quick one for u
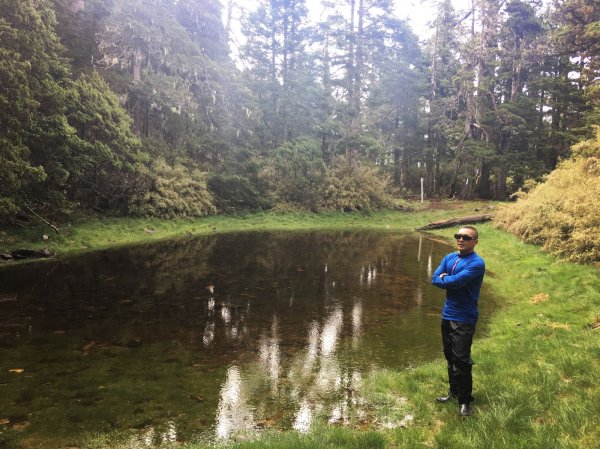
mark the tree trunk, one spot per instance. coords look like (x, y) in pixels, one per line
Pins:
(484, 190)
(429, 173)
(284, 104)
(453, 187)
(325, 149)
(136, 63)
(399, 167)
(351, 63)
(467, 188)
(359, 57)
(501, 185)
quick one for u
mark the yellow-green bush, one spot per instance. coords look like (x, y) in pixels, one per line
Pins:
(350, 188)
(175, 192)
(563, 213)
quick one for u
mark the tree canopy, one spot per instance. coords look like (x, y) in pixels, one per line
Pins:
(142, 108)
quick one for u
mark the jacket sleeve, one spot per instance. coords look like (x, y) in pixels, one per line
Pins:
(435, 279)
(462, 278)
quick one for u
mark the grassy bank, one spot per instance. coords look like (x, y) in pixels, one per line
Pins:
(96, 233)
(536, 374)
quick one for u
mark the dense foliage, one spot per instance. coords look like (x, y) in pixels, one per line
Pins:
(66, 142)
(562, 214)
(152, 108)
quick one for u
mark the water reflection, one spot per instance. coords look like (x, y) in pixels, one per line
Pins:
(429, 266)
(269, 355)
(209, 333)
(357, 312)
(304, 417)
(233, 414)
(217, 336)
(321, 375)
(331, 332)
(313, 347)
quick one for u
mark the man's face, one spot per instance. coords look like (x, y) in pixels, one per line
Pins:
(463, 244)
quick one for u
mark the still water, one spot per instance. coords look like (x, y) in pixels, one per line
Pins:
(211, 337)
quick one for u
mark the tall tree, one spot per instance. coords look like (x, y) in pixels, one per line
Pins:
(521, 56)
(444, 103)
(280, 69)
(17, 116)
(170, 61)
(578, 37)
(78, 23)
(70, 142)
(37, 139)
(393, 110)
(501, 58)
(364, 47)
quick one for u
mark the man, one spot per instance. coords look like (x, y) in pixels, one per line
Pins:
(461, 275)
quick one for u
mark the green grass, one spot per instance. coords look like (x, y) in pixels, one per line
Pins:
(321, 437)
(536, 373)
(536, 378)
(98, 233)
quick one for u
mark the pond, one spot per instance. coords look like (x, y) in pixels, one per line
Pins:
(209, 337)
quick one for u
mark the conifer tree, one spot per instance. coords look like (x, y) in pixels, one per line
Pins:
(35, 94)
(578, 37)
(279, 70)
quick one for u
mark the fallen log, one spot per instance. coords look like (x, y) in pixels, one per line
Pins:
(456, 221)
(20, 254)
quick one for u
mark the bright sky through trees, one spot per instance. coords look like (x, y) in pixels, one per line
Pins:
(419, 14)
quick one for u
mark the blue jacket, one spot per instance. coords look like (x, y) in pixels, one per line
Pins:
(464, 276)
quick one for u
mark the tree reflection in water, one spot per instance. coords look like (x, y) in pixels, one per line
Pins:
(234, 415)
(320, 375)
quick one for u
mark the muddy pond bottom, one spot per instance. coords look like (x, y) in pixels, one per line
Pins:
(213, 337)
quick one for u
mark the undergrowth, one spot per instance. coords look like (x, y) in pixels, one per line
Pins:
(562, 214)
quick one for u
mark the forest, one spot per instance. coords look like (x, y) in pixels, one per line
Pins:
(141, 108)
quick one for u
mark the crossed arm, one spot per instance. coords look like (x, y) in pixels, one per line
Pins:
(444, 280)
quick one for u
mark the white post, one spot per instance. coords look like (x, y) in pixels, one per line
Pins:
(422, 189)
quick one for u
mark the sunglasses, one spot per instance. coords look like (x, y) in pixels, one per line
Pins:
(466, 238)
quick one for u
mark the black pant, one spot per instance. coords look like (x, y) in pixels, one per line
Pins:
(457, 338)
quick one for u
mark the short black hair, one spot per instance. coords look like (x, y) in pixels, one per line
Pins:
(472, 228)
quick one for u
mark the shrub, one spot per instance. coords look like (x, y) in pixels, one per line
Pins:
(359, 187)
(234, 192)
(562, 214)
(295, 175)
(175, 192)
